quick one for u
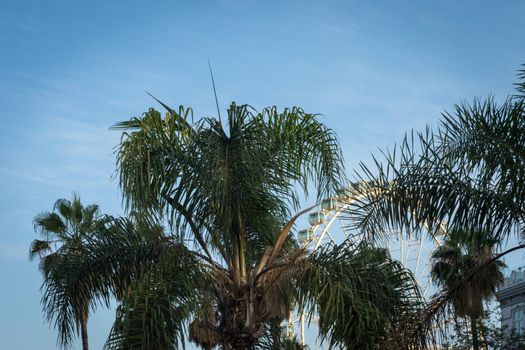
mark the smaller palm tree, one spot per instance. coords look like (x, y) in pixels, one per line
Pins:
(462, 252)
(66, 297)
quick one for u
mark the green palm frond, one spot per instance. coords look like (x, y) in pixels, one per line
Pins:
(468, 173)
(157, 281)
(59, 309)
(39, 248)
(124, 250)
(307, 149)
(47, 263)
(358, 293)
(90, 215)
(63, 206)
(520, 85)
(49, 223)
(69, 294)
(155, 312)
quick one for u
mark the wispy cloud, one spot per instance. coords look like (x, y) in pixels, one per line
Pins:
(78, 138)
(27, 24)
(13, 252)
(61, 153)
(23, 22)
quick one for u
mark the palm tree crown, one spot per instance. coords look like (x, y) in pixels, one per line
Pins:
(65, 232)
(461, 252)
(460, 255)
(227, 190)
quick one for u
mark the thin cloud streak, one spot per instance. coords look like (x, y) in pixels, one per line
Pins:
(13, 252)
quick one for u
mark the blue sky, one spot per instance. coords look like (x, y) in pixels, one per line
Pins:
(69, 70)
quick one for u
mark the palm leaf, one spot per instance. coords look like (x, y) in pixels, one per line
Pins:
(358, 293)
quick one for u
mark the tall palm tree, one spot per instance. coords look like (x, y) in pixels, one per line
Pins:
(66, 299)
(470, 172)
(461, 252)
(227, 263)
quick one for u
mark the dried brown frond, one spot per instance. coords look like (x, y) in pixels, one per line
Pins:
(202, 331)
(276, 285)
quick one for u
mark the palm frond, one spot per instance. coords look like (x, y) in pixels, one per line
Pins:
(469, 173)
(306, 149)
(154, 314)
(358, 293)
(49, 223)
(156, 280)
(90, 214)
(520, 85)
(39, 248)
(63, 206)
(60, 310)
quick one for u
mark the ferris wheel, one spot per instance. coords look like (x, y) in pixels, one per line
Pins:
(331, 222)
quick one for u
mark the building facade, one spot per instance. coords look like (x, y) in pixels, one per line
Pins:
(511, 296)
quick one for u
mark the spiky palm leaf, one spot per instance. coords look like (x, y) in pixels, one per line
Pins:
(358, 292)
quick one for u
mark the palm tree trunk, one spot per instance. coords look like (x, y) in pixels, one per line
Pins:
(474, 330)
(83, 331)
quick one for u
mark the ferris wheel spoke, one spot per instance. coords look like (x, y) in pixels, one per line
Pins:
(418, 255)
(400, 237)
(331, 238)
(342, 228)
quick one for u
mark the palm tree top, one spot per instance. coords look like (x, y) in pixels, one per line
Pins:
(66, 299)
(235, 179)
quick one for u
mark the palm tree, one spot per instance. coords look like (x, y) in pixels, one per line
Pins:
(461, 252)
(66, 299)
(226, 263)
(470, 172)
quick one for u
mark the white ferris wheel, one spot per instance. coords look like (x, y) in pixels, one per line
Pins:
(331, 222)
